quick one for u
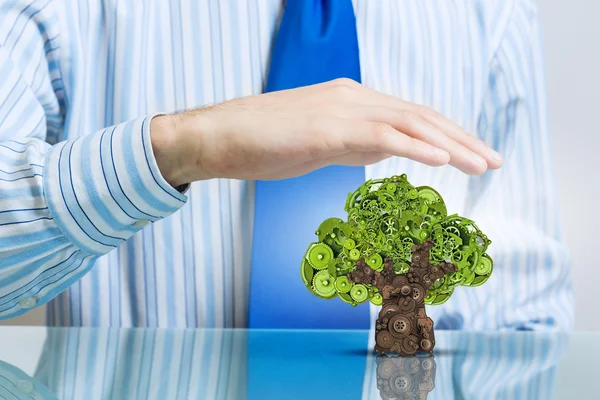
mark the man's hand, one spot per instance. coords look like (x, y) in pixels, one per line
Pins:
(289, 133)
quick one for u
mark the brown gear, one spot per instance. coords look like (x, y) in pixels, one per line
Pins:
(407, 305)
(384, 340)
(410, 344)
(399, 281)
(418, 293)
(426, 344)
(389, 309)
(405, 290)
(387, 291)
(400, 326)
(396, 348)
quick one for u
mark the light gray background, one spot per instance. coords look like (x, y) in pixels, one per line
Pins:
(572, 47)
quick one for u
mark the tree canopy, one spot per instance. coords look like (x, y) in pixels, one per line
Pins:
(386, 217)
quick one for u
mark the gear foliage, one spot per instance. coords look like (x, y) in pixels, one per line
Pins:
(386, 217)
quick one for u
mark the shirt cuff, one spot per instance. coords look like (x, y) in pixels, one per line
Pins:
(102, 188)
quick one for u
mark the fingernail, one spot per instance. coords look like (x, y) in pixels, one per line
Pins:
(497, 156)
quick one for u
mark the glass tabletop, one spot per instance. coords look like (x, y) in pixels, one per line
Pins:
(95, 363)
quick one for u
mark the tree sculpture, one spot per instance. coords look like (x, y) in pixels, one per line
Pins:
(401, 250)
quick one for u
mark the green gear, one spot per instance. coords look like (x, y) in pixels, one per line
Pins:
(342, 284)
(375, 261)
(319, 255)
(349, 244)
(354, 254)
(401, 268)
(347, 299)
(433, 199)
(307, 272)
(367, 252)
(485, 265)
(327, 226)
(441, 298)
(323, 284)
(469, 276)
(377, 299)
(430, 297)
(359, 293)
(479, 280)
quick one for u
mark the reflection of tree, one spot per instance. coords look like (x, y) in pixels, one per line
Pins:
(478, 365)
(405, 378)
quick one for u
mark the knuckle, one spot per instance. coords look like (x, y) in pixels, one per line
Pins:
(425, 111)
(415, 143)
(343, 86)
(346, 82)
(379, 130)
(409, 117)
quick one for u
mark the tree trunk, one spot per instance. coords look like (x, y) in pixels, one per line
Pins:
(403, 326)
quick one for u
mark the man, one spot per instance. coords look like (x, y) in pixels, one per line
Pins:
(86, 163)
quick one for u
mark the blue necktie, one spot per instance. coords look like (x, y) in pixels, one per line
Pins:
(316, 42)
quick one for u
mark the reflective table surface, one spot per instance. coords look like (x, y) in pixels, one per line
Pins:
(93, 363)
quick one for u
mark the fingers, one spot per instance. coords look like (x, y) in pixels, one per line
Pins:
(368, 97)
(361, 136)
(493, 159)
(417, 127)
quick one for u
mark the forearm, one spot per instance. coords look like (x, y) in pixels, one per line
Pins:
(87, 197)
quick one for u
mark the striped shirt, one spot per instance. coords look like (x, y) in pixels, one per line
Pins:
(87, 221)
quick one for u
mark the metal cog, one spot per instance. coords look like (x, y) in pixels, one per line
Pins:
(342, 284)
(323, 284)
(359, 293)
(485, 265)
(375, 261)
(319, 255)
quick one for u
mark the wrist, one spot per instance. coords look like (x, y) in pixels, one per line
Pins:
(178, 145)
(167, 150)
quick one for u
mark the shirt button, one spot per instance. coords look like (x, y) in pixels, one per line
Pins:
(28, 302)
(140, 224)
(25, 386)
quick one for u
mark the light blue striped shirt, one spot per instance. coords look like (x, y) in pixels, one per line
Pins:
(87, 220)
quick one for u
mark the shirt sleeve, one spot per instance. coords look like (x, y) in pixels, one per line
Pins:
(517, 204)
(61, 205)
